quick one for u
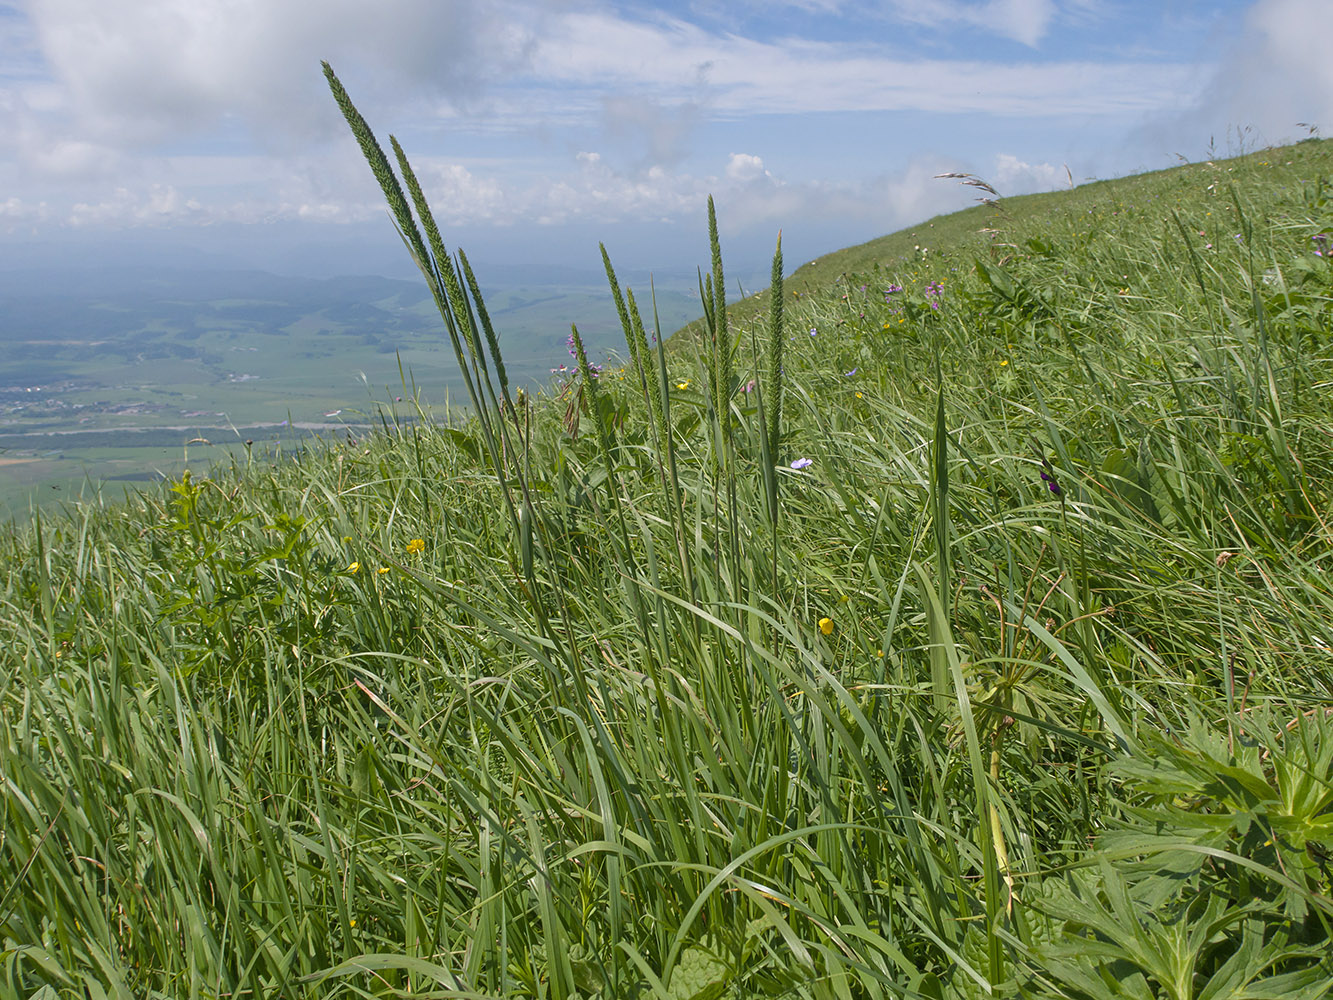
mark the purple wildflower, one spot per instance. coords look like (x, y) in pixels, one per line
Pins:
(850, 373)
(1048, 472)
(802, 463)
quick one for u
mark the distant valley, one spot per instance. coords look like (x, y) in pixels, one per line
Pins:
(119, 375)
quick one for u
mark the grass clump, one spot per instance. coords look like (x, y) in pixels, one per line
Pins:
(1027, 690)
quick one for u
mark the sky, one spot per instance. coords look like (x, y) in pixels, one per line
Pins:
(202, 130)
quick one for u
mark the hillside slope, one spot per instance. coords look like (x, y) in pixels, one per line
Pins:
(998, 232)
(970, 638)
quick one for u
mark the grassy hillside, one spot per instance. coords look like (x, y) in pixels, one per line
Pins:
(965, 633)
(1097, 210)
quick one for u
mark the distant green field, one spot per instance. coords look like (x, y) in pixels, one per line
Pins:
(272, 354)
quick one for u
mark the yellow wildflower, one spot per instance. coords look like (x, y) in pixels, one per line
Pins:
(416, 546)
(826, 626)
(354, 567)
(683, 385)
(382, 570)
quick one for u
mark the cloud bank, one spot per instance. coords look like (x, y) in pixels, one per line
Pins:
(549, 112)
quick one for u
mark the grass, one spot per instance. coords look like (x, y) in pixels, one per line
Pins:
(539, 704)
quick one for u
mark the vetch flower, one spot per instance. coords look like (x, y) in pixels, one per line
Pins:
(814, 330)
(803, 463)
(826, 626)
(1048, 472)
(416, 546)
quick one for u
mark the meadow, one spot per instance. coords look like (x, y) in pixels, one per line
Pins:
(956, 623)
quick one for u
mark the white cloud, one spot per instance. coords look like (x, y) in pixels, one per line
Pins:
(1276, 73)
(75, 159)
(98, 99)
(157, 205)
(1014, 176)
(16, 213)
(145, 70)
(742, 76)
(134, 74)
(1025, 21)
(1280, 72)
(744, 167)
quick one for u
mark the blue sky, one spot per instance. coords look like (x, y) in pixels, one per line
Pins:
(538, 125)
